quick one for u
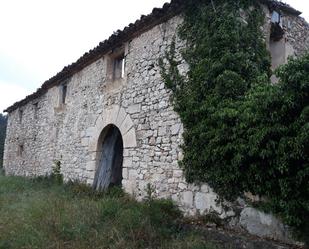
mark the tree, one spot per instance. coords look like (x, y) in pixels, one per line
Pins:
(3, 123)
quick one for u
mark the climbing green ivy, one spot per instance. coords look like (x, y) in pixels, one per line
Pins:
(239, 129)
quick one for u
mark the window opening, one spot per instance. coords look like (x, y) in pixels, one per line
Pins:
(20, 115)
(64, 89)
(20, 150)
(119, 67)
(275, 17)
(36, 108)
(123, 67)
(276, 32)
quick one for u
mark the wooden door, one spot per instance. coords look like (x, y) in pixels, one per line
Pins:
(109, 170)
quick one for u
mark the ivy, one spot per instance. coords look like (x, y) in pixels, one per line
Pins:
(242, 134)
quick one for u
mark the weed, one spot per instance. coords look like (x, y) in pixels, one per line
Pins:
(56, 172)
(150, 191)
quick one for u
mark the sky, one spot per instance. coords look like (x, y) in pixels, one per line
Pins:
(39, 37)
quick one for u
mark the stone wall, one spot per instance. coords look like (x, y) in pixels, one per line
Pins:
(295, 41)
(296, 33)
(139, 105)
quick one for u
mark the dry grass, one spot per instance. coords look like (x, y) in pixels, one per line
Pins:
(41, 214)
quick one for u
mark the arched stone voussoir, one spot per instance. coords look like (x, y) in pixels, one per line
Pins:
(117, 116)
(110, 114)
(129, 139)
(121, 117)
(126, 125)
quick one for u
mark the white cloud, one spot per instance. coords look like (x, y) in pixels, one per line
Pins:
(10, 93)
(301, 5)
(44, 36)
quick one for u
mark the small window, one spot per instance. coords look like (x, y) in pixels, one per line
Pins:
(20, 151)
(20, 115)
(276, 30)
(63, 93)
(35, 109)
(115, 64)
(118, 67)
(275, 17)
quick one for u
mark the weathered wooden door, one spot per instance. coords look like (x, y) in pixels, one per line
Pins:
(109, 170)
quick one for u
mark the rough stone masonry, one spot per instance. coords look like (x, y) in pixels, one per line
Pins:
(118, 86)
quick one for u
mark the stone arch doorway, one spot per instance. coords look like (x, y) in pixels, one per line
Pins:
(109, 158)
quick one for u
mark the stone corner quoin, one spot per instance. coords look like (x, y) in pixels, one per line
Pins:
(65, 123)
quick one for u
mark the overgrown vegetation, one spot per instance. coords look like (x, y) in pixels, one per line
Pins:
(41, 213)
(3, 121)
(56, 172)
(242, 134)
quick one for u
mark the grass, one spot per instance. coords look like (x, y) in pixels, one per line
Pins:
(38, 213)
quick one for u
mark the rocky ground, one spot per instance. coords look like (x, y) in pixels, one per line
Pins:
(231, 239)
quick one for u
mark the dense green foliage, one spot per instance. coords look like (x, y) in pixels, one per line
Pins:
(242, 134)
(275, 119)
(226, 55)
(40, 213)
(3, 121)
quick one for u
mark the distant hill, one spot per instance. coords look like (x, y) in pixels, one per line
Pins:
(3, 122)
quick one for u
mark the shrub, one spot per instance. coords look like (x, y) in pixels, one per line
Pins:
(56, 174)
(80, 189)
(275, 121)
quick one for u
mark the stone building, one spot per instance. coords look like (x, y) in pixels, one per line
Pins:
(108, 119)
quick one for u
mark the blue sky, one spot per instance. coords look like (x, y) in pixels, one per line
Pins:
(39, 37)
